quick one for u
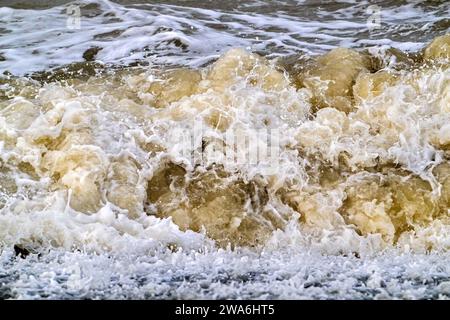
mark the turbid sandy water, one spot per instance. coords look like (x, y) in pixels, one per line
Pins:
(224, 149)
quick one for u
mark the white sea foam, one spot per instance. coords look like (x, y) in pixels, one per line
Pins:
(109, 189)
(225, 275)
(34, 40)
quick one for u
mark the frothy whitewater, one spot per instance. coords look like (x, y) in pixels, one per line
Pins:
(261, 149)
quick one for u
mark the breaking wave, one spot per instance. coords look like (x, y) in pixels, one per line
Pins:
(112, 159)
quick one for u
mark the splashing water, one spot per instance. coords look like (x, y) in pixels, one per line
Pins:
(227, 147)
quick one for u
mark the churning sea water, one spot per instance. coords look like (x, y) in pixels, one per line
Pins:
(224, 149)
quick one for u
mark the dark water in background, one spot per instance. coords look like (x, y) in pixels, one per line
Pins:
(194, 33)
